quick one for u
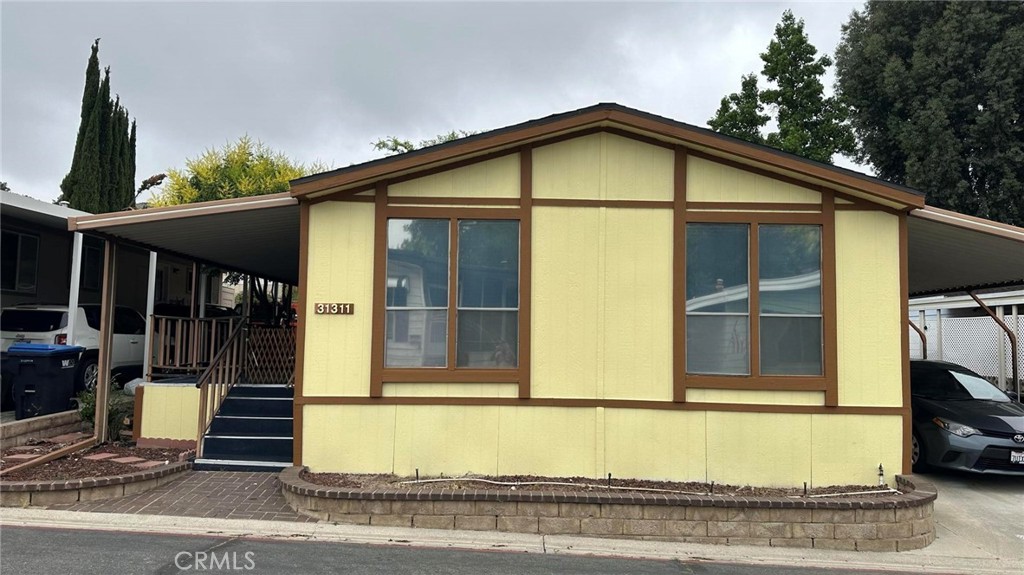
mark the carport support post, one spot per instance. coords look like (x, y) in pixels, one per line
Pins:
(76, 278)
(147, 359)
(1009, 333)
(106, 340)
(938, 334)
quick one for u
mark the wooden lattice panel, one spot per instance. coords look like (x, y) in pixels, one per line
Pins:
(271, 356)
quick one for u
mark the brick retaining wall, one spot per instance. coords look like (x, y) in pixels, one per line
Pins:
(17, 433)
(41, 493)
(888, 523)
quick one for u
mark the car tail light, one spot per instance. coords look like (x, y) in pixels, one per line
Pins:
(61, 339)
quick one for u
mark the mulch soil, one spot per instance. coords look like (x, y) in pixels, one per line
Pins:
(75, 466)
(570, 484)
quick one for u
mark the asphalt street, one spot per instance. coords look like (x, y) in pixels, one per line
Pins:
(41, 551)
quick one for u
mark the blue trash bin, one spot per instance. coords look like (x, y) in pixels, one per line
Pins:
(44, 377)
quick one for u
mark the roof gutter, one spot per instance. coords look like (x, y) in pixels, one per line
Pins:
(108, 220)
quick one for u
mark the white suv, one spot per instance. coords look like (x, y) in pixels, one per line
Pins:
(31, 323)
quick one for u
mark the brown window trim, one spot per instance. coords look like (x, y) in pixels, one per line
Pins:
(828, 381)
(387, 208)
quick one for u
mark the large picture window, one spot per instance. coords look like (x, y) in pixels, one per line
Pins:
(445, 273)
(20, 262)
(753, 322)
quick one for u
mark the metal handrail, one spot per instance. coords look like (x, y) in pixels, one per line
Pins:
(217, 380)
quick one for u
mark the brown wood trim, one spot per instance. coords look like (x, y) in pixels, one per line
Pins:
(106, 340)
(359, 199)
(559, 138)
(754, 217)
(449, 375)
(905, 340)
(758, 383)
(754, 206)
(679, 276)
(137, 413)
(439, 201)
(605, 403)
(765, 156)
(443, 213)
(452, 166)
(380, 272)
(974, 224)
(575, 203)
(753, 304)
(640, 138)
(830, 336)
(453, 271)
(300, 334)
(525, 269)
(602, 117)
(343, 195)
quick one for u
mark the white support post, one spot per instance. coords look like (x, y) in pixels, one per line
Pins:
(76, 278)
(938, 334)
(147, 360)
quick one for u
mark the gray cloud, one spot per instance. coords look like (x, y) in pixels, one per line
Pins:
(322, 80)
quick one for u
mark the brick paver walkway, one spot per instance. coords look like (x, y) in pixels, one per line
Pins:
(220, 494)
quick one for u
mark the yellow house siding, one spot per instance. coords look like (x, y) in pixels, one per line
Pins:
(497, 178)
(708, 181)
(755, 396)
(170, 411)
(758, 448)
(655, 444)
(554, 441)
(451, 390)
(602, 303)
(446, 439)
(602, 167)
(847, 449)
(337, 353)
(350, 438)
(868, 308)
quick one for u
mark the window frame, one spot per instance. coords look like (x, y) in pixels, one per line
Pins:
(380, 373)
(18, 264)
(824, 216)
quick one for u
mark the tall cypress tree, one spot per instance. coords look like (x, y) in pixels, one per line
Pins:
(70, 184)
(102, 175)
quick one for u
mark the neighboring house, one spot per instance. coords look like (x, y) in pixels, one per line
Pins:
(598, 292)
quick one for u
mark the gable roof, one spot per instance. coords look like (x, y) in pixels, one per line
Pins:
(663, 130)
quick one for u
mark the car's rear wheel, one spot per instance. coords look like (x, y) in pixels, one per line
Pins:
(88, 373)
(917, 454)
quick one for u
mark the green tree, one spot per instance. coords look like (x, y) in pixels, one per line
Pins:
(393, 145)
(808, 123)
(102, 174)
(936, 92)
(246, 167)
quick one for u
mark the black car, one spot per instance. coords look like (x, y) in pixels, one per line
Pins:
(961, 421)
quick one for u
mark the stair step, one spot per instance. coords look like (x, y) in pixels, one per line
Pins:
(256, 406)
(248, 448)
(243, 390)
(260, 426)
(210, 464)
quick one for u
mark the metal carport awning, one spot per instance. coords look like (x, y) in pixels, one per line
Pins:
(951, 252)
(255, 235)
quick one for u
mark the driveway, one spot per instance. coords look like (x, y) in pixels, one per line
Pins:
(979, 515)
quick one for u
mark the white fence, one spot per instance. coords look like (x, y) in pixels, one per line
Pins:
(977, 343)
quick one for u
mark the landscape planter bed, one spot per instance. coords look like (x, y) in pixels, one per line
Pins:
(897, 522)
(42, 493)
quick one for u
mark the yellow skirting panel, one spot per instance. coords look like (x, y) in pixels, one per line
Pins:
(170, 411)
(768, 449)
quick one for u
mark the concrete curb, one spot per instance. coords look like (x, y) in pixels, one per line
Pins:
(932, 560)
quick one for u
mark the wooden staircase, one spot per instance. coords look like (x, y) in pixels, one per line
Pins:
(251, 431)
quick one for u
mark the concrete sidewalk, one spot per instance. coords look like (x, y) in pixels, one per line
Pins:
(940, 557)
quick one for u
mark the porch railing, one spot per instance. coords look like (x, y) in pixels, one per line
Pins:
(183, 345)
(220, 376)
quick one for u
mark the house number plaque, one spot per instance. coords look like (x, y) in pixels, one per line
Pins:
(336, 308)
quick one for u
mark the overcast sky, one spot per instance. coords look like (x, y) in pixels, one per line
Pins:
(320, 81)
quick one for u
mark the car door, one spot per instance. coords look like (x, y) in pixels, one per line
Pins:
(129, 337)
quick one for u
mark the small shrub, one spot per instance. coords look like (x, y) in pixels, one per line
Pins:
(120, 406)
